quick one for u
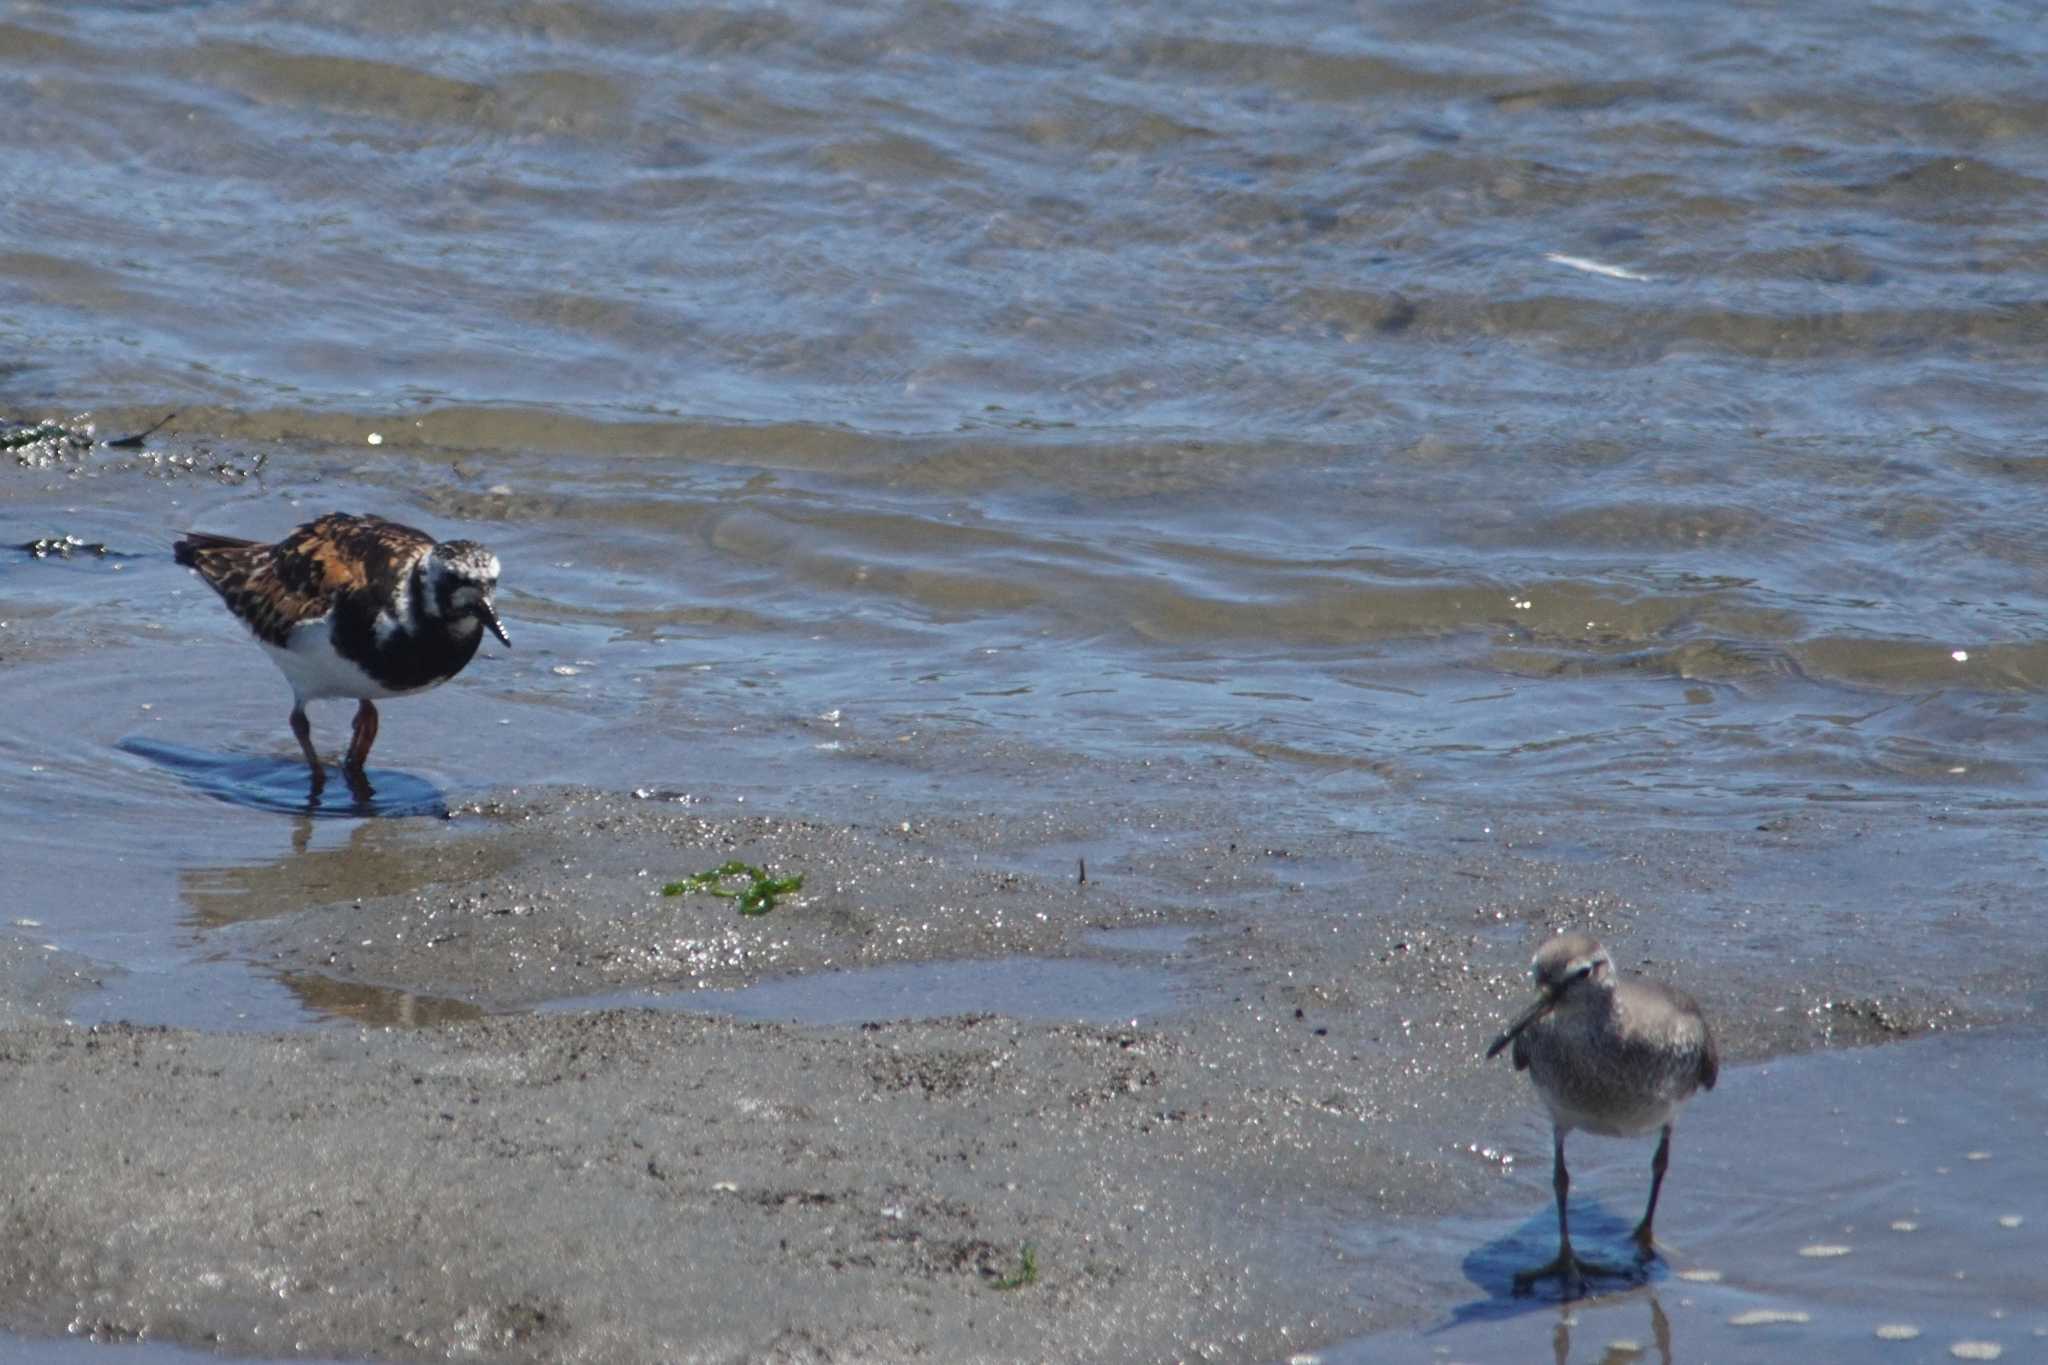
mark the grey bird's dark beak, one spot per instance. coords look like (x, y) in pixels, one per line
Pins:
(490, 615)
(1522, 1021)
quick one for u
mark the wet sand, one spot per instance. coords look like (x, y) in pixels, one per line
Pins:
(1200, 1181)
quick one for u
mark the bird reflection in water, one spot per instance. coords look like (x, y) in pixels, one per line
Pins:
(1616, 1352)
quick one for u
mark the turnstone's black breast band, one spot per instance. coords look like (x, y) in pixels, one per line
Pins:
(401, 662)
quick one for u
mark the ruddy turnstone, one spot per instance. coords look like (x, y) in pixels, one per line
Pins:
(354, 607)
(1610, 1055)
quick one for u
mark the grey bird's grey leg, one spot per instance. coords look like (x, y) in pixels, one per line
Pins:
(1646, 1247)
(1567, 1268)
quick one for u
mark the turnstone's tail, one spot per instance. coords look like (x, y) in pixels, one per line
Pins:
(227, 565)
(196, 544)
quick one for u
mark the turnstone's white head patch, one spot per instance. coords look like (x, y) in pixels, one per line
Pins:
(463, 581)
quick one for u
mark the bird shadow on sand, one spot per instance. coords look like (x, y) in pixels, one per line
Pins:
(1597, 1235)
(286, 785)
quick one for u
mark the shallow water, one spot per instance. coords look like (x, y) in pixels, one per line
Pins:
(286, 787)
(1051, 989)
(1881, 1204)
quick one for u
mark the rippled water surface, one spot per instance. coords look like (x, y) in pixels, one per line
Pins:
(1645, 396)
(1604, 404)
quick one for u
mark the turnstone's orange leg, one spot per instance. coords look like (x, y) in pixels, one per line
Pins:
(364, 736)
(302, 729)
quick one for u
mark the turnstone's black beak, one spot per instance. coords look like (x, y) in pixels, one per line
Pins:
(1527, 1017)
(489, 614)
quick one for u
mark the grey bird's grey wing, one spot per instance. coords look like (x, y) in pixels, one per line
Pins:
(1520, 1054)
(1688, 1026)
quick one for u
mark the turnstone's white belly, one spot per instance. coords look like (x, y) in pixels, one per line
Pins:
(316, 670)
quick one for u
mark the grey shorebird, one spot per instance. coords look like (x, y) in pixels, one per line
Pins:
(1612, 1056)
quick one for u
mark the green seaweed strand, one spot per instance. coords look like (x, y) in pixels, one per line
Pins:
(756, 898)
(1026, 1272)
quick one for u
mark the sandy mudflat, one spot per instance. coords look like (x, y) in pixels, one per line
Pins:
(639, 1184)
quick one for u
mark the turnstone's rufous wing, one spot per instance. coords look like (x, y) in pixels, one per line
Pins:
(304, 576)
